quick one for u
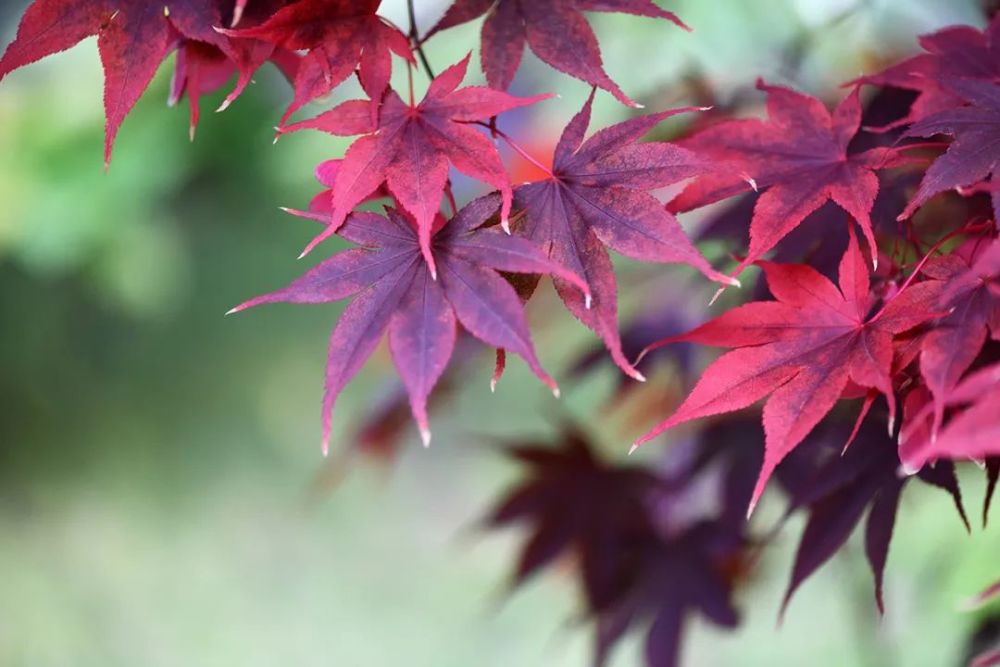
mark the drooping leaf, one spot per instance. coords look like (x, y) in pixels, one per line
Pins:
(973, 156)
(133, 37)
(973, 430)
(971, 297)
(339, 37)
(801, 350)
(799, 160)
(410, 147)
(597, 196)
(838, 491)
(393, 289)
(555, 30)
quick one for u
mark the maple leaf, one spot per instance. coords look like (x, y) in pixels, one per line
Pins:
(574, 502)
(837, 488)
(203, 68)
(971, 297)
(133, 37)
(394, 290)
(596, 196)
(686, 573)
(974, 154)
(973, 432)
(798, 157)
(340, 36)
(410, 147)
(633, 566)
(555, 30)
(952, 52)
(801, 350)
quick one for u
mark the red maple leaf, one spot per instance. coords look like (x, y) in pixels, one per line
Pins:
(971, 297)
(411, 145)
(974, 155)
(340, 36)
(394, 290)
(798, 157)
(972, 432)
(597, 196)
(133, 37)
(556, 31)
(803, 350)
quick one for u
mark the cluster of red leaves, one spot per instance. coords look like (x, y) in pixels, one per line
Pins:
(911, 331)
(906, 322)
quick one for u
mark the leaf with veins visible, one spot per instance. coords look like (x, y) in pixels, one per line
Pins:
(597, 197)
(409, 149)
(974, 155)
(801, 350)
(393, 289)
(798, 158)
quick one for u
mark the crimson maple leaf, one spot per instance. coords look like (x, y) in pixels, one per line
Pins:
(597, 195)
(133, 37)
(974, 155)
(339, 35)
(973, 431)
(556, 31)
(394, 290)
(410, 146)
(971, 297)
(798, 157)
(802, 350)
(202, 68)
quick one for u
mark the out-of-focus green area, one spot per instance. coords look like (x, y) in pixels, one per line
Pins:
(156, 458)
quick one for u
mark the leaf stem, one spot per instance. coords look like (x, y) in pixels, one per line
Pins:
(414, 36)
(965, 229)
(497, 132)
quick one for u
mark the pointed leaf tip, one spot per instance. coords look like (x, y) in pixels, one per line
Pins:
(631, 450)
(425, 436)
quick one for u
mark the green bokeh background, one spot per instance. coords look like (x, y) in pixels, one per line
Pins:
(156, 458)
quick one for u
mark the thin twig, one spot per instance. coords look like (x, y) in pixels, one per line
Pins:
(418, 46)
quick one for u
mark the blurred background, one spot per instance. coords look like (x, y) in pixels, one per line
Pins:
(163, 500)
